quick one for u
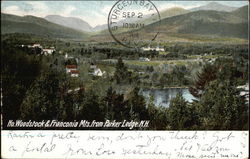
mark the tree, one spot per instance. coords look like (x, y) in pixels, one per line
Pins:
(121, 72)
(91, 108)
(208, 74)
(228, 70)
(18, 71)
(157, 116)
(42, 100)
(137, 105)
(150, 69)
(181, 115)
(115, 106)
(222, 107)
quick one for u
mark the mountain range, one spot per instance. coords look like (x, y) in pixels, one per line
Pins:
(39, 26)
(205, 22)
(79, 24)
(210, 21)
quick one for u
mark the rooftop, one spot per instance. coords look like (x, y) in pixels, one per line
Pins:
(74, 71)
(71, 66)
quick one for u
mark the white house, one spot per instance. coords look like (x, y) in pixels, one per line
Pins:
(93, 66)
(48, 51)
(144, 59)
(34, 46)
(66, 56)
(98, 72)
(159, 48)
(37, 45)
(146, 48)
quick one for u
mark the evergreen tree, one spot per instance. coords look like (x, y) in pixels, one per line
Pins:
(91, 107)
(115, 106)
(121, 72)
(157, 116)
(223, 108)
(208, 74)
(181, 115)
(137, 105)
(18, 71)
(43, 98)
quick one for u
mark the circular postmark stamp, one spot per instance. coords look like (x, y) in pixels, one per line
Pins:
(130, 22)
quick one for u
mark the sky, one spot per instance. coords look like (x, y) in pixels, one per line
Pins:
(93, 12)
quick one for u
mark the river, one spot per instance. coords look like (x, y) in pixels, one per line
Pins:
(162, 97)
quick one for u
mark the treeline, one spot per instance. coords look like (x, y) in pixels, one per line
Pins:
(174, 51)
(201, 49)
(110, 53)
(28, 39)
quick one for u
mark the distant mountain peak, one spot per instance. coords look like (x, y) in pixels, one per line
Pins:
(215, 6)
(70, 22)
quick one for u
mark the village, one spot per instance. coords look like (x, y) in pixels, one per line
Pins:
(43, 51)
(71, 67)
(71, 63)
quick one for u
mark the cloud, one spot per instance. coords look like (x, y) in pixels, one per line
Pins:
(39, 9)
(67, 10)
(13, 10)
(106, 9)
(38, 6)
(94, 20)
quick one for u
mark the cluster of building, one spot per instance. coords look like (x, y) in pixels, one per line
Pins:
(73, 71)
(72, 68)
(153, 48)
(44, 51)
(94, 70)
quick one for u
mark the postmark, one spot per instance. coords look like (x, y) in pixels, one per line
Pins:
(129, 22)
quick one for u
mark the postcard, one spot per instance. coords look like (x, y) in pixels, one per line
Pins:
(125, 79)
